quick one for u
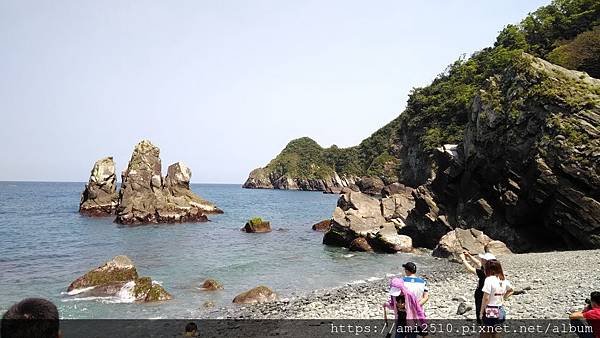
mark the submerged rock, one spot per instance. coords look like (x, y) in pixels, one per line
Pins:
(259, 294)
(99, 198)
(211, 285)
(257, 225)
(145, 197)
(118, 278)
(118, 270)
(360, 244)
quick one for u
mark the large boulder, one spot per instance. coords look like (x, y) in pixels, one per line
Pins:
(99, 198)
(360, 244)
(398, 205)
(370, 185)
(259, 294)
(118, 270)
(118, 278)
(474, 241)
(146, 197)
(257, 225)
(322, 226)
(358, 223)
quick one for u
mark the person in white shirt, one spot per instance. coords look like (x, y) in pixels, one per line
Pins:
(496, 289)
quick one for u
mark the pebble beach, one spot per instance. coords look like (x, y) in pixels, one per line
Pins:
(548, 286)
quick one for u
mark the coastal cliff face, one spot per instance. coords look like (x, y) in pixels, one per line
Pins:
(527, 172)
(304, 165)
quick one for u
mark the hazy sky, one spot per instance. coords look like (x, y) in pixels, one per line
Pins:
(220, 85)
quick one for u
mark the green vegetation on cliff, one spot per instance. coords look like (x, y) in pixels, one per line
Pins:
(566, 32)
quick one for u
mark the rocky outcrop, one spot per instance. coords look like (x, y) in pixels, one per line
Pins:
(528, 171)
(99, 198)
(146, 197)
(257, 225)
(370, 185)
(322, 226)
(474, 241)
(118, 278)
(211, 285)
(259, 294)
(262, 178)
(359, 223)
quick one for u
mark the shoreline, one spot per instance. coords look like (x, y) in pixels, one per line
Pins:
(551, 285)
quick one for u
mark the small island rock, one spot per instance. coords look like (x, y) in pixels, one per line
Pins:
(257, 225)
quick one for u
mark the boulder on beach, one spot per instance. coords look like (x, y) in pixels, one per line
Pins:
(211, 285)
(99, 198)
(146, 197)
(322, 226)
(257, 225)
(358, 215)
(118, 277)
(474, 241)
(259, 294)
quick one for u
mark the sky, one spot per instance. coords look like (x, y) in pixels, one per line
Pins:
(221, 85)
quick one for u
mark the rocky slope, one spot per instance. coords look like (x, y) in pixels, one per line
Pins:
(527, 172)
(145, 195)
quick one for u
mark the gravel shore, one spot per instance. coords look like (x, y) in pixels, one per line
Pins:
(549, 285)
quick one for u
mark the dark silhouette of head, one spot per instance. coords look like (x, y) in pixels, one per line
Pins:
(494, 268)
(595, 299)
(31, 317)
(191, 328)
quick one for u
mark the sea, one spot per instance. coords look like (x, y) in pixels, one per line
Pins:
(45, 244)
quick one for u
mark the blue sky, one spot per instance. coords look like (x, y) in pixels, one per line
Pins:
(220, 85)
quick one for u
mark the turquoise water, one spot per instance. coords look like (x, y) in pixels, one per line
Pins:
(45, 244)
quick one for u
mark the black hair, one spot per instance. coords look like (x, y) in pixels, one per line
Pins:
(400, 298)
(595, 297)
(191, 327)
(31, 317)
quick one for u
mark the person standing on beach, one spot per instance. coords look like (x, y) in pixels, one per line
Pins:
(417, 285)
(410, 317)
(496, 289)
(475, 266)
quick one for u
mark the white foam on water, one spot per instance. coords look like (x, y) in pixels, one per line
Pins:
(372, 279)
(77, 299)
(77, 291)
(125, 295)
(348, 255)
(390, 274)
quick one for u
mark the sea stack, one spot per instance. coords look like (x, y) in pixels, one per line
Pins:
(99, 198)
(146, 197)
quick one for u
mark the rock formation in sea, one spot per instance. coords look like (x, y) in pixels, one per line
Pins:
(211, 285)
(118, 278)
(257, 225)
(146, 197)
(358, 215)
(99, 198)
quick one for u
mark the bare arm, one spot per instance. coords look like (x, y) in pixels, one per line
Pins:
(576, 315)
(508, 293)
(466, 264)
(476, 261)
(425, 298)
(484, 303)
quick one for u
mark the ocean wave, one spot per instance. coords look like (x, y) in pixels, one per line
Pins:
(359, 281)
(348, 255)
(372, 279)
